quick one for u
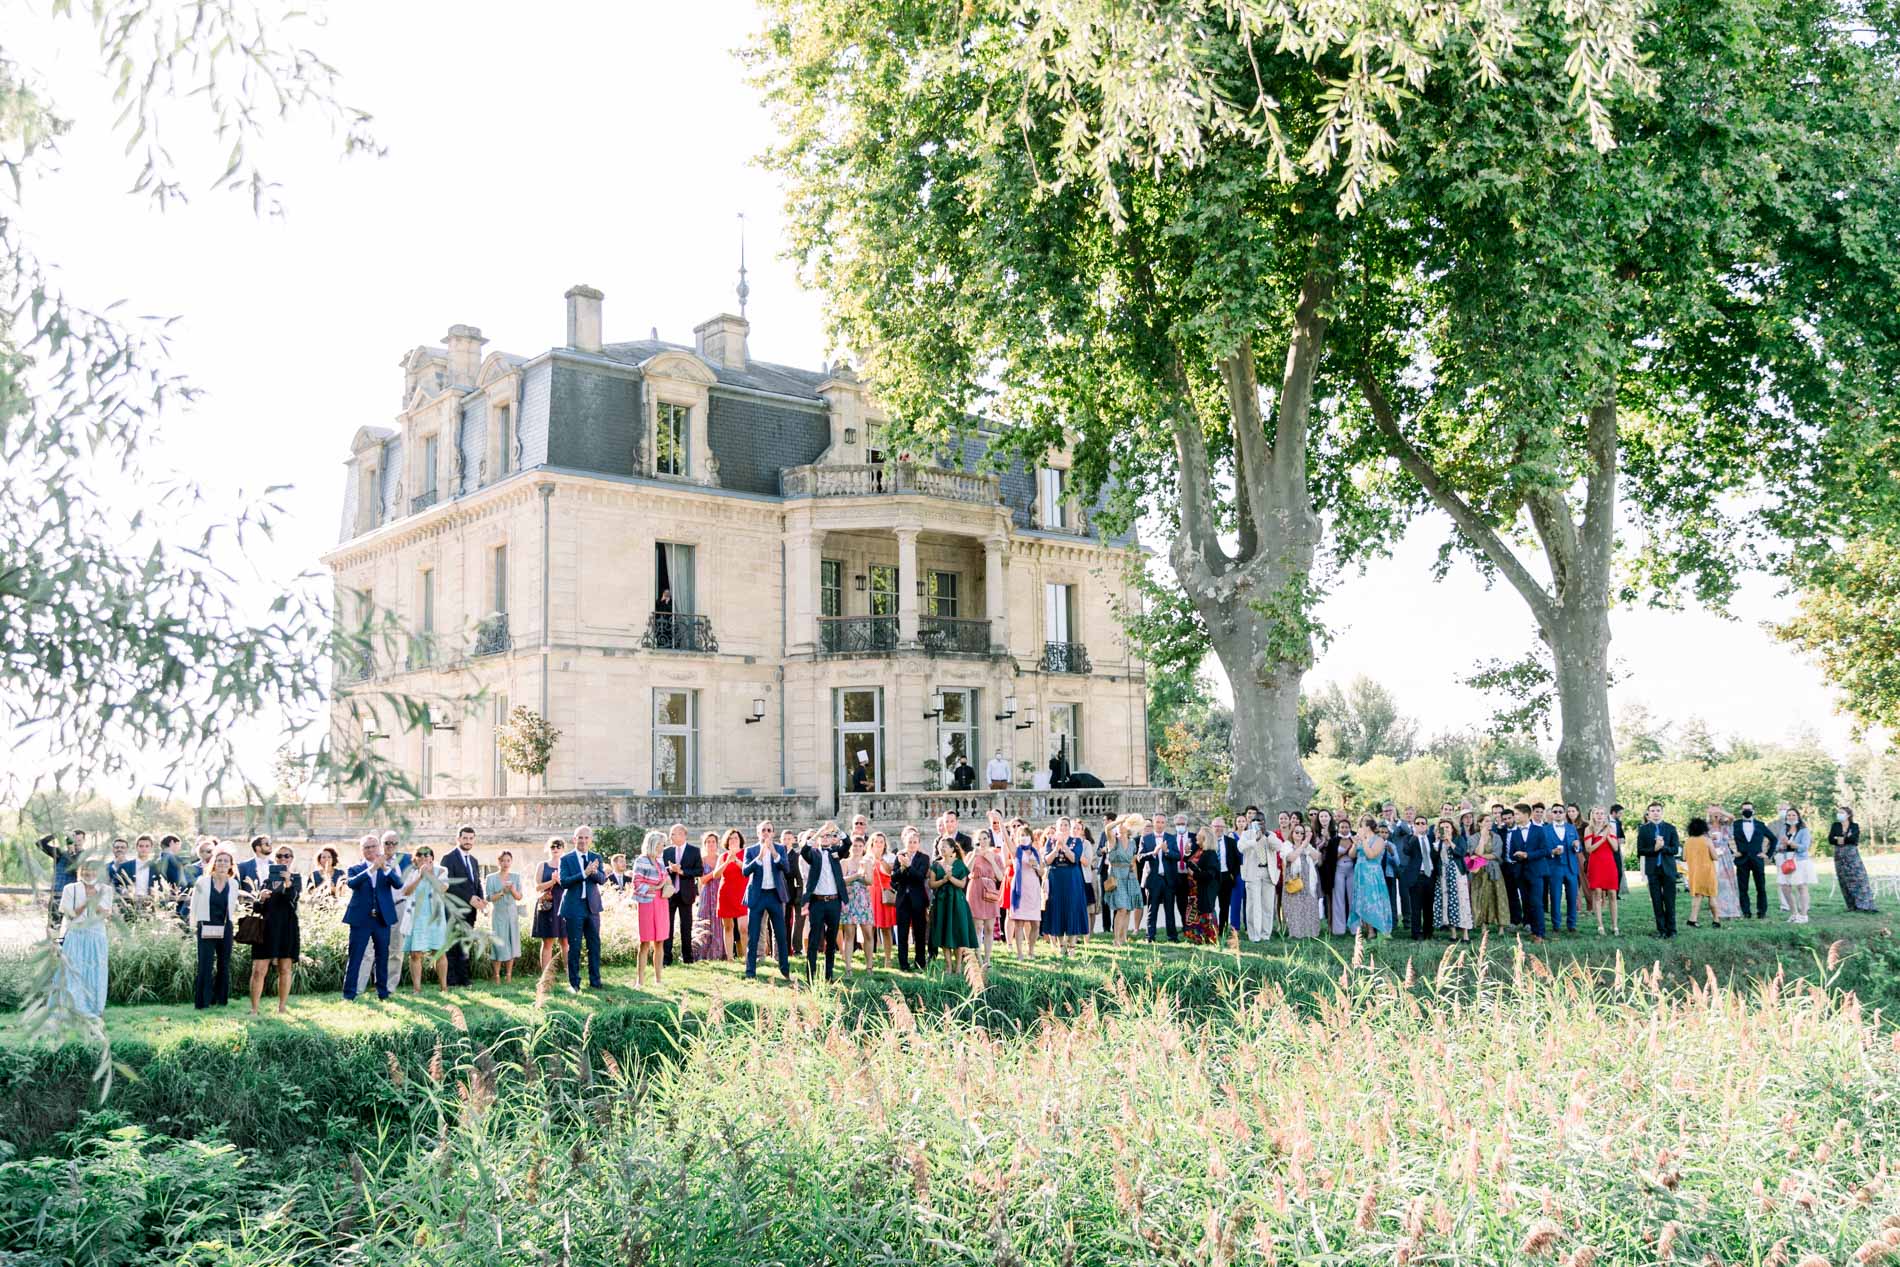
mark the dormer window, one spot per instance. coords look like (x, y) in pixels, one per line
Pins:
(1054, 488)
(672, 425)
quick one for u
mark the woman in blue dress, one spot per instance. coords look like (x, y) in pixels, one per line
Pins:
(1371, 904)
(1066, 917)
(1123, 896)
(428, 918)
(84, 905)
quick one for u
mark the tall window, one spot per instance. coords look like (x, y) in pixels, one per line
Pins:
(505, 429)
(500, 568)
(431, 454)
(1055, 497)
(941, 595)
(674, 579)
(831, 587)
(883, 589)
(1058, 613)
(425, 587)
(1065, 733)
(427, 784)
(500, 766)
(669, 439)
(676, 742)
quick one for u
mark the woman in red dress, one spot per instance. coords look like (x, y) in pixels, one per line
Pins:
(883, 909)
(732, 908)
(1602, 867)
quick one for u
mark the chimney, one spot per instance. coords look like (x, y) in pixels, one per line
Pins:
(722, 340)
(465, 354)
(583, 318)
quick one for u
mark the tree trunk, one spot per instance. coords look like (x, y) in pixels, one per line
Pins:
(1586, 751)
(1266, 742)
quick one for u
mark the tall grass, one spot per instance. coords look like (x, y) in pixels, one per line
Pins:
(1476, 1117)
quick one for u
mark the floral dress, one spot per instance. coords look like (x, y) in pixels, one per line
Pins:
(857, 891)
(1299, 865)
(1451, 888)
(1489, 902)
(1849, 871)
(1728, 894)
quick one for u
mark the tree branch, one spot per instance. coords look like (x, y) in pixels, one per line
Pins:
(1197, 554)
(1296, 385)
(1251, 461)
(1469, 521)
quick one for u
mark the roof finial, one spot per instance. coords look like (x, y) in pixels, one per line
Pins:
(744, 290)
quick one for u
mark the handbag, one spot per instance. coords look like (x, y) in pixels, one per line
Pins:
(889, 895)
(1787, 865)
(1294, 884)
(211, 932)
(250, 930)
(1110, 884)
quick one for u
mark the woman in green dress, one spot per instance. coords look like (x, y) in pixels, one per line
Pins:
(952, 930)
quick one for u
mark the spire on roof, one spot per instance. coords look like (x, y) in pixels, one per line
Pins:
(744, 290)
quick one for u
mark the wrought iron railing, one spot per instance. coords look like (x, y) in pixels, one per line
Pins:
(856, 635)
(874, 479)
(679, 631)
(491, 635)
(422, 501)
(944, 634)
(1065, 657)
(421, 652)
(351, 673)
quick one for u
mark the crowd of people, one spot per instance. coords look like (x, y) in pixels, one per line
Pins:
(943, 896)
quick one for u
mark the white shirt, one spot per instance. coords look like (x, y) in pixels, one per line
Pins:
(997, 771)
(142, 877)
(768, 878)
(825, 886)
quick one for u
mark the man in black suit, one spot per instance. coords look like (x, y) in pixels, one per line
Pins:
(1225, 846)
(824, 897)
(1753, 843)
(465, 887)
(1158, 855)
(684, 862)
(1503, 822)
(1659, 847)
(1415, 877)
(911, 878)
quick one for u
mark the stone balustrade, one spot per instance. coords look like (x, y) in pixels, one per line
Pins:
(880, 479)
(532, 819)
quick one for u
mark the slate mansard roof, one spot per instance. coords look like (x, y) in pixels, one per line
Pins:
(584, 412)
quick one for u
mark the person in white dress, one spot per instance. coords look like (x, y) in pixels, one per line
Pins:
(1260, 872)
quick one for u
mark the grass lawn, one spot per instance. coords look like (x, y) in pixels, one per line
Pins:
(1738, 951)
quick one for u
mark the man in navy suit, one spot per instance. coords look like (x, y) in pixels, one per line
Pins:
(1658, 845)
(824, 897)
(119, 871)
(1529, 845)
(1414, 852)
(255, 870)
(1753, 843)
(581, 874)
(1503, 823)
(370, 915)
(465, 886)
(1162, 852)
(1569, 868)
(683, 862)
(910, 877)
(768, 881)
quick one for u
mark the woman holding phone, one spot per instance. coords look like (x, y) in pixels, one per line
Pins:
(277, 902)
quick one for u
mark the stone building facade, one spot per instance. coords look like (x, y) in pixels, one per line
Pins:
(700, 568)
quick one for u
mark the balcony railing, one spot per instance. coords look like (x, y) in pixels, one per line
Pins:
(946, 635)
(354, 673)
(422, 501)
(857, 635)
(1065, 657)
(491, 636)
(421, 652)
(880, 479)
(679, 631)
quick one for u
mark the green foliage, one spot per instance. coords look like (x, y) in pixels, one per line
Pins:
(1482, 758)
(1359, 721)
(527, 742)
(694, 1134)
(1850, 622)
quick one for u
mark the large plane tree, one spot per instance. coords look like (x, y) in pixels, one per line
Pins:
(1643, 364)
(1127, 229)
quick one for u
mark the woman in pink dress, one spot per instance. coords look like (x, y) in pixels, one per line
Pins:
(649, 894)
(1025, 893)
(985, 892)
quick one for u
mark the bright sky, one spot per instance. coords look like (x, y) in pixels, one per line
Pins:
(614, 145)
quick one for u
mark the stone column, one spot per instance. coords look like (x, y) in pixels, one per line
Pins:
(803, 547)
(996, 590)
(907, 575)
